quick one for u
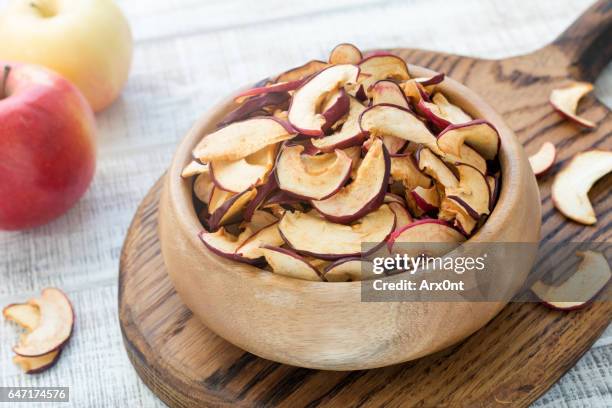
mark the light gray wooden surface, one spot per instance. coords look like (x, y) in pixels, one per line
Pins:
(188, 54)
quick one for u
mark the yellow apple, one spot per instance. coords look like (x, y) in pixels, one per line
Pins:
(89, 42)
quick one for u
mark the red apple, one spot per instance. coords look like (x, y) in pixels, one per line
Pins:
(47, 147)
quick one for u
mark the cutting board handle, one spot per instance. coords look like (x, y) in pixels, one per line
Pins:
(588, 41)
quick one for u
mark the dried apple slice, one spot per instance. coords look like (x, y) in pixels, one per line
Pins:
(565, 101)
(414, 91)
(309, 234)
(345, 54)
(382, 66)
(431, 165)
(225, 244)
(240, 175)
(194, 168)
(432, 80)
(278, 87)
(230, 209)
(241, 139)
(254, 105)
(421, 233)
(572, 184)
(544, 158)
(388, 92)
(24, 314)
(346, 270)
(287, 263)
(453, 212)
(472, 192)
(405, 169)
(366, 193)
(251, 247)
(402, 216)
(312, 177)
(450, 112)
(479, 134)
(54, 328)
(263, 192)
(306, 100)
(425, 199)
(303, 71)
(468, 156)
(335, 108)
(432, 113)
(494, 187)
(391, 120)
(203, 187)
(591, 276)
(350, 134)
(35, 365)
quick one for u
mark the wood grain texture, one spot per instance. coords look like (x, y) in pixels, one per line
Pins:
(512, 360)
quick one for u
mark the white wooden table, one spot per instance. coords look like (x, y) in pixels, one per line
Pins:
(188, 54)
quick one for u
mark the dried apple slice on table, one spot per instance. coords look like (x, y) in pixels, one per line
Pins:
(572, 184)
(306, 101)
(543, 159)
(345, 54)
(479, 134)
(591, 276)
(350, 134)
(288, 263)
(24, 314)
(565, 101)
(54, 327)
(309, 234)
(366, 193)
(391, 120)
(472, 193)
(240, 139)
(312, 177)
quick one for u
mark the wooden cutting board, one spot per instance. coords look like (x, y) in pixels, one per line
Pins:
(510, 362)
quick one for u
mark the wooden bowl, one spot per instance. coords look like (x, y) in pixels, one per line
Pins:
(325, 325)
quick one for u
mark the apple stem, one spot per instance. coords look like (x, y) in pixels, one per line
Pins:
(7, 71)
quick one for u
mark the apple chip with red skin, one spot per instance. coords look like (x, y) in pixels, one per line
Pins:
(239, 175)
(402, 216)
(251, 247)
(388, 92)
(382, 66)
(479, 134)
(591, 277)
(467, 156)
(312, 177)
(543, 159)
(451, 211)
(303, 112)
(345, 54)
(310, 234)
(419, 234)
(240, 139)
(303, 71)
(472, 193)
(54, 327)
(288, 263)
(423, 200)
(565, 101)
(346, 270)
(431, 165)
(24, 314)
(230, 209)
(365, 194)
(572, 184)
(452, 113)
(350, 134)
(405, 169)
(392, 120)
